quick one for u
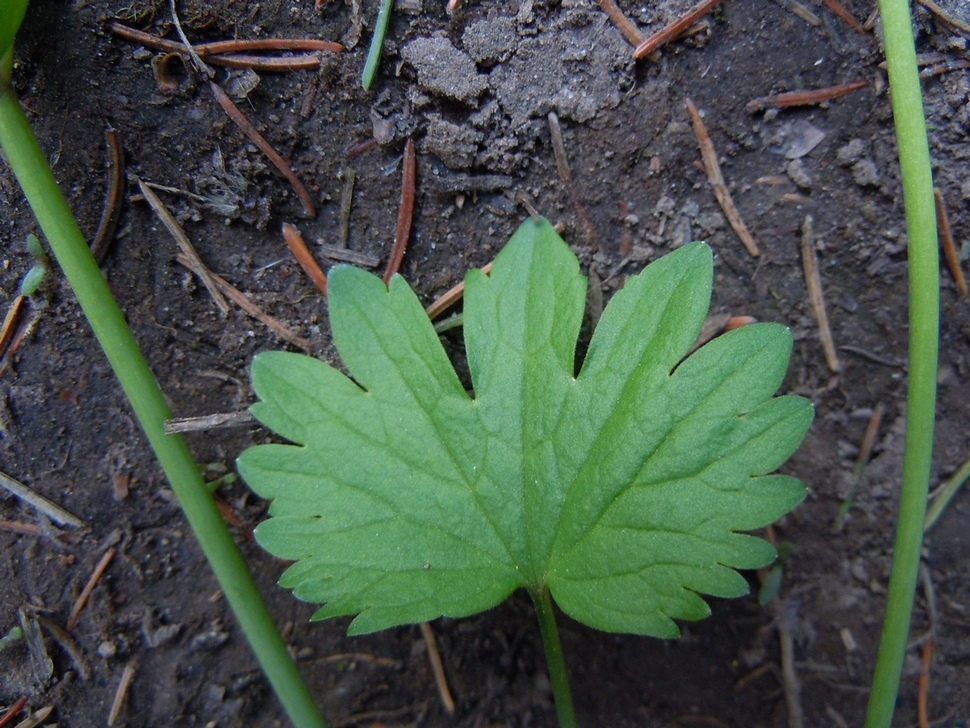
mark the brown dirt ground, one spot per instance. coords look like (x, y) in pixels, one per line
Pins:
(67, 432)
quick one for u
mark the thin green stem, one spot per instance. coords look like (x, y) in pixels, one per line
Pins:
(71, 251)
(924, 312)
(554, 658)
(377, 43)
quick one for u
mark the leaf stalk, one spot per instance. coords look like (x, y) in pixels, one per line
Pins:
(558, 675)
(30, 167)
(924, 313)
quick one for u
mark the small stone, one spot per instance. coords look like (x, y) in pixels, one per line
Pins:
(797, 174)
(865, 173)
(851, 152)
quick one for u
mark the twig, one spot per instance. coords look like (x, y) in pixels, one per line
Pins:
(54, 512)
(303, 256)
(207, 422)
(272, 64)
(264, 146)
(37, 718)
(873, 357)
(868, 440)
(939, 69)
(713, 169)
(945, 16)
(796, 717)
(68, 644)
(405, 214)
(623, 24)
(450, 297)
(113, 198)
(359, 656)
(799, 10)
(194, 262)
(126, 677)
(674, 29)
(346, 255)
(438, 669)
(814, 283)
(566, 177)
(224, 52)
(240, 299)
(346, 201)
(224, 47)
(13, 710)
(836, 7)
(807, 97)
(88, 588)
(946, 242)
(27, 529)
(923, 685)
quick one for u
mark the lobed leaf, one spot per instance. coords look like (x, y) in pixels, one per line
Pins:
(622, 489)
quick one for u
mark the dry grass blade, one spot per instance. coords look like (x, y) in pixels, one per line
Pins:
(67, 644)
(301, 252)
(713, 170)
(126, 677)
(814, 283)
(51, 510)
(264, 146)
(193, 261)
(240, 299)
(208, 422)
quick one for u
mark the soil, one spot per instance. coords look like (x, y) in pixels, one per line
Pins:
(474, 90)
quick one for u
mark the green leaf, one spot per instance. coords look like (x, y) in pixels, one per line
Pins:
(621, 489)
(32, 280)
(11, 16)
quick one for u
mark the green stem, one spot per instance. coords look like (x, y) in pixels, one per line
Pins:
(554, 659)
(30, 167)
(376, 44)
(924, 311)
